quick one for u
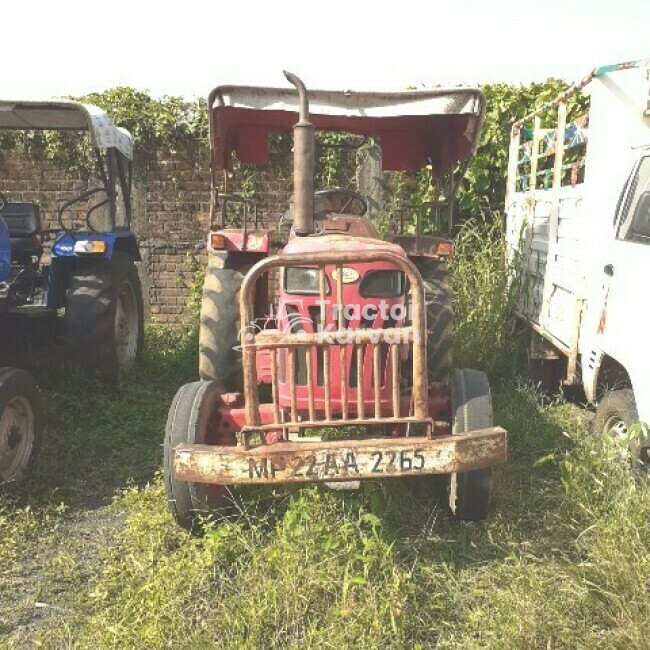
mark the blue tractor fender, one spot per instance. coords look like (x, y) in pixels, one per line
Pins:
(94, 244)
(70, 249)
(5, 251)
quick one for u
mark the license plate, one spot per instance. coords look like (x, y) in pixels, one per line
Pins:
(339, 460)
(340, 464)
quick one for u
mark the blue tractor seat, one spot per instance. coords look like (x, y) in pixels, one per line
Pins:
(24, 223)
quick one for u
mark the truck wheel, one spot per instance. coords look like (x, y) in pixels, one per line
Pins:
(187, 423)
(220, 321)
(21, 423)
(440, 316)
(615, 414)
(103, 319)
(469, 492)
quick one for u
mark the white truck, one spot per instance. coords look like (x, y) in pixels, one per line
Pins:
(578, 226)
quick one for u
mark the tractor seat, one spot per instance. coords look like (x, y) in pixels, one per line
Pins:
(24, 223)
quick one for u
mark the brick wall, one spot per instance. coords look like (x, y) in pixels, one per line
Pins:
(170, 213)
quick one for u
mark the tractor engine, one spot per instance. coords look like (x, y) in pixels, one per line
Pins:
(373, 296)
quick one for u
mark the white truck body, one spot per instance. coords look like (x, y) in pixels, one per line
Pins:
(583, 238)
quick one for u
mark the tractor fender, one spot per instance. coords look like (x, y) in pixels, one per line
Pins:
(234, 241)
(71, 245)
(65, 260)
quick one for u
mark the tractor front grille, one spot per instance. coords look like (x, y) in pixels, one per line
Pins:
(320, 383)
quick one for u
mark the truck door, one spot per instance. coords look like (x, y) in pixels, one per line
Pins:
(625, 324)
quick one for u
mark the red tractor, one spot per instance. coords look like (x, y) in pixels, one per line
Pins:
(339, 333)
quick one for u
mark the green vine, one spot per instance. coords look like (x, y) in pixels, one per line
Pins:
(333, 160)
(170, 122)
(174, 123)
(483, 186)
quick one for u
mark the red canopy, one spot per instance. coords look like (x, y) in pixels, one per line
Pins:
(416, 128)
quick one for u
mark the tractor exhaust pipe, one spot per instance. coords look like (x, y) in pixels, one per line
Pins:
(303, 163)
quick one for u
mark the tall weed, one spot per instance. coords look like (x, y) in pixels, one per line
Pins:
(485, 291)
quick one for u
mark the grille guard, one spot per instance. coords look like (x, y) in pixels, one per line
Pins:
(272, 340)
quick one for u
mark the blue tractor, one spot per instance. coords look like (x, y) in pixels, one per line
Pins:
(20, 406)
(78, 280)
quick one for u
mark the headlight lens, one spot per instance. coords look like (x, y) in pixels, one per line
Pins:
(382, 284)
(302, 281)
(89, 246)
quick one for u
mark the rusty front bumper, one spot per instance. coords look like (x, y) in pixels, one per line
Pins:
(344, 460)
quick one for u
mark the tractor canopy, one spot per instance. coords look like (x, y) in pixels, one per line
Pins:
(113, 146)
(64, 115)
(439, 127)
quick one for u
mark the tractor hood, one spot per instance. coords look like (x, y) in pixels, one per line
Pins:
(63, 115)
(439, 127)
(329, 243)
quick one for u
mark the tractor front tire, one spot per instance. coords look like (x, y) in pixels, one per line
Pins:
(21, 423)
(439, 318)
(103, 322)
(469, 492)
(219, 358)
(187, 423)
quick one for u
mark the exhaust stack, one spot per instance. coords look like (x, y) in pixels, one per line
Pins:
(303, 163)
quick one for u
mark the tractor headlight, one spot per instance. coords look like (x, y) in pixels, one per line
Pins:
(89, 247)
(382, 284)
(302, 281)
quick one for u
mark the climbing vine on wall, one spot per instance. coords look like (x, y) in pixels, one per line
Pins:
(168, 121)
(482, 190)
(173, 122)
(153, 123)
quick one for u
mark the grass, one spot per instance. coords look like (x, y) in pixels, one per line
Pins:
(485, 298)
(90, 558)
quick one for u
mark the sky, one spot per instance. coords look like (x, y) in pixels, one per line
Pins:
(71, 47)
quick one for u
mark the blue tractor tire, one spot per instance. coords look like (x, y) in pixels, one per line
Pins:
(104, 317)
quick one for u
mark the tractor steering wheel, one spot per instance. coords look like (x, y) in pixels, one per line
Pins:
(3, 201)
(342, 200)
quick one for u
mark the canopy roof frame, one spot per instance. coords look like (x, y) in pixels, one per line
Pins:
(241, 115)
(66, 115)
(440, 127)
(113, 145)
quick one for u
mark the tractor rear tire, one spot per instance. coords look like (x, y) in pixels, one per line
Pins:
(103, 322)
(439, 322)
(187, 423)
(439, 319)
(21, 423)
(219, 360)
(469, 492)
